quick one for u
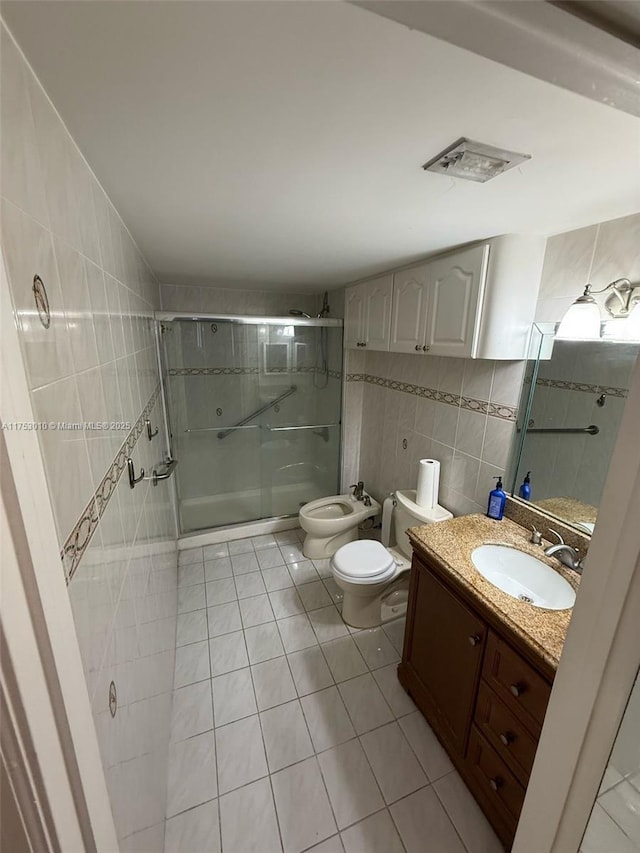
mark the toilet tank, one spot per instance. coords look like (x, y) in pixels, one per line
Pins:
(407, 513)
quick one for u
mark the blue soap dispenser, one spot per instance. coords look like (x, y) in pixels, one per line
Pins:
(497, 500)
(525, 488)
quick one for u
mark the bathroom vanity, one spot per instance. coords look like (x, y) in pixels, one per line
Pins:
(478, 663)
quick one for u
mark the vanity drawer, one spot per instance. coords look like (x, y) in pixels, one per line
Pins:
(498, 785)
(505, 733)
(520, 687)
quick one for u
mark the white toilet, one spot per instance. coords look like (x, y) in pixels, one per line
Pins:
(374, 576)
(332, 522)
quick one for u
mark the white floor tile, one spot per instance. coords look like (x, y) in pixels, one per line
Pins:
(471, 824)
(263, 642)
(220, 592)
(228, 652)
(248, 820)
(192, 573)
(233, 697)
(240, 754)
(150, 840)
(399, 700)
(269, 558)
(344, 659)
(392, 760)
(192, 664)
(310, 671)
(190, 555)
(242, 564)
(195, 830)
(327, 718)
(191, 711)
(375, 834)
(191, 598)
(603, 835)
(395, 632)
(323, 567)
(423, 824)
(303, 571)
(365, 703)
(250, 584)
(314, 595)
(286, 602)
(376, 648)
(352, 789)
(256, 611)
(296, 633)
(287, 537)
(435, 761)
(622, 803)
(192, 773)
(215, 570)
(302, 805)
(286, 738)
(273, 683)
(335, 593)
(215, 552)
(240, 546)
(278, 578)
(292, 553)
(327, 623)
(266, 540)
(224, 618)
(331, 845)
(191, 627)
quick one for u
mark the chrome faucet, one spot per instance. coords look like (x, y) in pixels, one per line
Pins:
(358, 490)
(567, 555)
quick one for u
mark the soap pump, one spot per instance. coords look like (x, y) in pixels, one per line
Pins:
(525, 488)
(497, 500)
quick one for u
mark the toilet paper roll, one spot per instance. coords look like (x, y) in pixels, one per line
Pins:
(428, 483)
(387, 514)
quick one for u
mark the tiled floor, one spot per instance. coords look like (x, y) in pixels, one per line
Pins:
(290, 731)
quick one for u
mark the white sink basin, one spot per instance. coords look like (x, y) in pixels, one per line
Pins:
(523, 576)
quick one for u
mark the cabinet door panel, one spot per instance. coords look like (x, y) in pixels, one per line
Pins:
(445, 652)
(354, 307)
(409, 316)
(378, 299)
(456, 289)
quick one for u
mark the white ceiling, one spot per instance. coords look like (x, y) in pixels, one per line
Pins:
(280, 144)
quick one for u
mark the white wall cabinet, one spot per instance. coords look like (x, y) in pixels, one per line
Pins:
(367, 314)
(410, 306)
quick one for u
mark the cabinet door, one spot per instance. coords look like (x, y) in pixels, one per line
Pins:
(354, 317)
(378, 298)
(445, 652)
(409, 315)
(456, 287)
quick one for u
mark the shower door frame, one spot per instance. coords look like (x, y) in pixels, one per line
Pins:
(239, 319)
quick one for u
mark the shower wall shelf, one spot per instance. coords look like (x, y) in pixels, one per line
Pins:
(285, 320)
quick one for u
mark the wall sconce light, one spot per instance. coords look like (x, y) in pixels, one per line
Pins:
(582, 320)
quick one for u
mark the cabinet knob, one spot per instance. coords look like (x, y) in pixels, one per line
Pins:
(507, 738)
(426, 349)
(518, 689)
(418, 347)
(364, 343)
(475, 639)
(496, 783)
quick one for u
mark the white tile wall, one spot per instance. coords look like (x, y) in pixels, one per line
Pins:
(95, 362)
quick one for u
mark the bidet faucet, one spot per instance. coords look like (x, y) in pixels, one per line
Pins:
(358, 490)
(567, 555)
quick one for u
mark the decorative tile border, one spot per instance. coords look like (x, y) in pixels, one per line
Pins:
(585, 387)
(82, 533)
(244, 371)
(495, 410)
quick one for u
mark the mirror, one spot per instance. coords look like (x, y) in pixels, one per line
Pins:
(573, 396)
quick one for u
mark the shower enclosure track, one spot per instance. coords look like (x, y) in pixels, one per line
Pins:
(223, 433)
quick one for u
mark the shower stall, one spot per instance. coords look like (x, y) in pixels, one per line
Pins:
(253, 406)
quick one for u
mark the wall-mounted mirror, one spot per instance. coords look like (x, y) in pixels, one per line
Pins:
(573, 396)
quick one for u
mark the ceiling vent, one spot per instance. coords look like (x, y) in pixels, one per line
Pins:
(474, 161)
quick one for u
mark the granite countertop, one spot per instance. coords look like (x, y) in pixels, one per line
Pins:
(571, 509)
(450, 544)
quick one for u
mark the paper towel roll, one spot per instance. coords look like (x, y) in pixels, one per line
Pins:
(428, 483)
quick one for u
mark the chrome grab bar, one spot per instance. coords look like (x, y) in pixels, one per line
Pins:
(225, 432)
(306, 426)
(169, 468)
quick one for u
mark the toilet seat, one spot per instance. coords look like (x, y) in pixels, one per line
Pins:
(364, 561)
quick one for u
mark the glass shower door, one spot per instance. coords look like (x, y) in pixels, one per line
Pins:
(254, 413)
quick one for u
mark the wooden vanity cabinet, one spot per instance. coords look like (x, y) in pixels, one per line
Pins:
(485, 701)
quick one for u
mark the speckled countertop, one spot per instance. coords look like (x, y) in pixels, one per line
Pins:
(450, 544)
(571, 509)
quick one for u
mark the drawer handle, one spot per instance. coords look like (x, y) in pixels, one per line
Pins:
(475, 639)
(518, 689)
(507, 738)
(496, 783)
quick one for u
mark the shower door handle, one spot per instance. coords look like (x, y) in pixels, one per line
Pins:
(306, 426)
(169, 468)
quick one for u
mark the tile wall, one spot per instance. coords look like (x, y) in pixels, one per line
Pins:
(95, 362)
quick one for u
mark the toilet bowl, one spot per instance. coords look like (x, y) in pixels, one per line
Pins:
(331, 523)
(374, 576)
